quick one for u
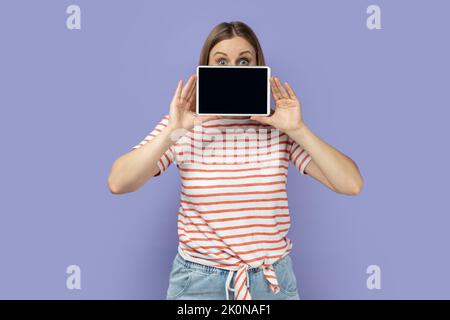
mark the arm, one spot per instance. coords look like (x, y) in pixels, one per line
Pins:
(130, 171)
(328, 166)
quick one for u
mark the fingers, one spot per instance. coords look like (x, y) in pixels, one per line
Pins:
(192, 99)
(187, 90)
(291, 92)
(281, 90)
(275, 91)
(278, 91)
(193, 94)
(177, 94)
(194, 87)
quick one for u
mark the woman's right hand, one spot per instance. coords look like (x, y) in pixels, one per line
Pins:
(182, 114)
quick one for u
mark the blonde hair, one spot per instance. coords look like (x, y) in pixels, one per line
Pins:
(229, 30)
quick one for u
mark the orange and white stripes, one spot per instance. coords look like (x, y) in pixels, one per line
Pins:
(233, 214)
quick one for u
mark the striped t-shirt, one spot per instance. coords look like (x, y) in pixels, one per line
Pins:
(233, 210)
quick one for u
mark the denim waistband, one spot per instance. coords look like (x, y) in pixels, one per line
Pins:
(211, 269)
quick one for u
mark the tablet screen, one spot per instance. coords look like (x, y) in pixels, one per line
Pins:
(233, 90)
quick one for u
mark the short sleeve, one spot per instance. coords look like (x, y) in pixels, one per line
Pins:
(169, 156)
(299, 157)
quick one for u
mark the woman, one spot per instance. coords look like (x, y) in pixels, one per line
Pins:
(234, 216)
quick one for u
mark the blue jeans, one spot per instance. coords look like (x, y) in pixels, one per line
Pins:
(194, 281)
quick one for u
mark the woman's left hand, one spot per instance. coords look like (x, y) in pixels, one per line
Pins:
(287, 116)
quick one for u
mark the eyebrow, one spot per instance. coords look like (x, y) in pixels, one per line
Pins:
(245, 51)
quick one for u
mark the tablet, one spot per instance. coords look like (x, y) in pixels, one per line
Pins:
(233, 90)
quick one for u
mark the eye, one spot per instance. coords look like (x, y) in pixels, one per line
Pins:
(244, 59)
(219, 61)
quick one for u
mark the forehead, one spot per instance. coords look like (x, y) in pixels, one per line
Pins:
(233, 47)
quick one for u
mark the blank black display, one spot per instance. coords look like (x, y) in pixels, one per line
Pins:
(232, 90)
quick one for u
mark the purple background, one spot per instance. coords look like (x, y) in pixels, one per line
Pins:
(73, 101)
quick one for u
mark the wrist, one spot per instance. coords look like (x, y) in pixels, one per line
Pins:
(175, 132)
(298, 130)
(170, 128)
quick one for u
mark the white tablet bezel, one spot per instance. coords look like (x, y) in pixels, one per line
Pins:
(239, 114)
